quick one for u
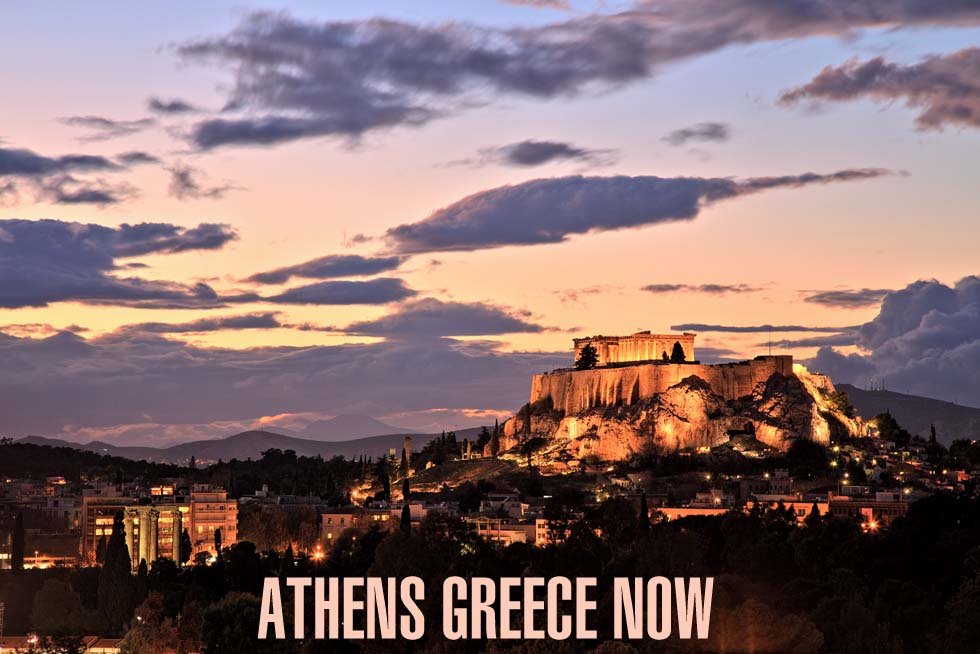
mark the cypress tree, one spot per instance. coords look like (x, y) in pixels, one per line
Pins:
(406, 490)
(100, 550)
(185, 547)
(17, 544)
(644, 513)
(406, 523)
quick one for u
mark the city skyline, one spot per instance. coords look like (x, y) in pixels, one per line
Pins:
(407, 217)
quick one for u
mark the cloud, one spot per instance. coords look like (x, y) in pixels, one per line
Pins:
(842, 339)
(848, 299)
(267, 320)
(699, 133)
(16, 162)
(536, 153)
(185, 184)
(709, 289)
(753, 329)
(136, 157)
(103, 129)
(925, 340)
(429, 318)
(297, 79)
(46, 261)
(562, 5)
(329, 267)
(944, 89)
(53, 178)
(66, 189)
(551, 210)
(373, 291)
(170, 107)
(132, 378)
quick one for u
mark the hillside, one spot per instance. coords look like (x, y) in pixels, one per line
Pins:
(249, 444)
(915, 413)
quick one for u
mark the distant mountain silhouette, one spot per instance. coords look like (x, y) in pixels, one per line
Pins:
(349, 427)
(915, 413)
(251, 444)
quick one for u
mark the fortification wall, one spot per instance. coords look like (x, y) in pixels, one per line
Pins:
(578, 390)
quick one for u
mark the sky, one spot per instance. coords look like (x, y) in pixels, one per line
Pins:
(224, 216)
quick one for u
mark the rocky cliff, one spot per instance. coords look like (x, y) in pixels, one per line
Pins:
(687, 415)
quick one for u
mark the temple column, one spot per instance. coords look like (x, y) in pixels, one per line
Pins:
(129, 525)
(178, 530)
(153, 535)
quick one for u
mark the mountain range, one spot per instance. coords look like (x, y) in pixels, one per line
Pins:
(251, 444)
(916, 414)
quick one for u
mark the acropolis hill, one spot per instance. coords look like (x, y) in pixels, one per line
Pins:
(648, 392)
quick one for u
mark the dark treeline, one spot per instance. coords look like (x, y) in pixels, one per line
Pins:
(282, 471)
(822, 587)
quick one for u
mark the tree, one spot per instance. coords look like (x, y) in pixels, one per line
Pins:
(588, 358)
(403, 466)
(217, 541)
(890, 430)
(192, 463)
(116, 587)
(57, 610)
(152, 631)
(17, 544)
(384, 478)
(286, 564)
(677, 353)
(406, 489)
(644, 513)
(665, 357)
(185, 547)
(100, 550)
(495, 441)
(406, 522)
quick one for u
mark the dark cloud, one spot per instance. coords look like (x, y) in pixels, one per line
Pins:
(103, 129)
(848, 299)
(136, 157)
(429, 318)
(185, 184)
(753, 329)
(267, 320)
(26, 163)
(47, 261)
(699, 133)
(944, 89)
(301, 79)
(66, 189)
(170, 107)
(842, 339)
(536, 153)
(67, 382)
(710, 289)
(54, 179)
(551, 210)
(373, 291)
(329, 267)
(925, 340)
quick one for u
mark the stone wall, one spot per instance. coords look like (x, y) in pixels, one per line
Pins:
(574, 391)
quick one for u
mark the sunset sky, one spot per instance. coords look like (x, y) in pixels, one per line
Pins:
(404, 209)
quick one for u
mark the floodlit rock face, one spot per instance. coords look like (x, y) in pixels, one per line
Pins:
(688, 415)
(575, 391)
